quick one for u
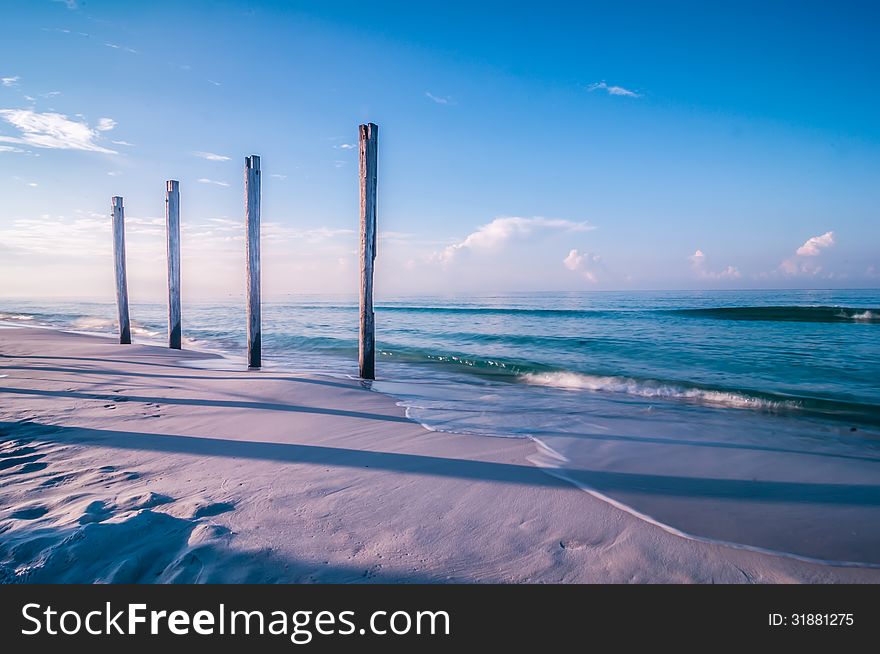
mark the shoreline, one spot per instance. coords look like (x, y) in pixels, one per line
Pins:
(241, 472)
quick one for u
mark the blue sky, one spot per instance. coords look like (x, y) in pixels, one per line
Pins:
(522, 146)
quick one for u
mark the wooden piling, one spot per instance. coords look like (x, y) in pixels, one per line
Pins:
(172, 230)
(368, 142)
(119, 262)
(252, 221)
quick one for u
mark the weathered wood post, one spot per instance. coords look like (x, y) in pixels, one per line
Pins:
(172, 230)
(119, 262)
(252, 220)
(368, 142)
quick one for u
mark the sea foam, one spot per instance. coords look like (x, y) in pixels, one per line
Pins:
(649, 389)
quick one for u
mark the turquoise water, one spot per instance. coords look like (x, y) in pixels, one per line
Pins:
(788, 351)
(588, 375)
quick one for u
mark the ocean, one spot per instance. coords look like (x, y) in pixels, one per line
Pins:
(657, 401)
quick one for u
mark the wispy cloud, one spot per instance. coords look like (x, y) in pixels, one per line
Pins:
(279, 232)
(612, 90)
(210, 81)
(495, 234)
(125, 143)
(71, 4)
(124, 48)
(585, 263)
(278, 176)
(205, 180)
(51, 235)
(210, 156)
(105, 124)
(814, 245)
(698, 263)
(439, 99)
(10, 81)
(9, 148)
(53, 130)
(345, 146)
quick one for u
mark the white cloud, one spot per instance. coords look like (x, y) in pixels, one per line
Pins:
(105, 124)
(612, 90)
(214, 83)
(9, 148)
(347, 146)
(71, 4)
(125, 143)
(116, 46)
(584, 263)
(52, 235)
(9, 81)
(501, 230)
(278, 176)
(210, 156)
(52, 130)
(804, 262)
(277, 232)
(439, 99)
(205, 180)
(698, 263)
(813, 246)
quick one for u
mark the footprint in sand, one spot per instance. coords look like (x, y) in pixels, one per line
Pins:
(30, 512)
(215, 508)
(13, 461)
(58, 480)
(95, 512)
(30, 467)
(143, 501)
(17, 451)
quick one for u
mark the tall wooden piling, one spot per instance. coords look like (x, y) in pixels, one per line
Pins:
(368, 142)
(119, 262)
(172, 230)
(252, 221)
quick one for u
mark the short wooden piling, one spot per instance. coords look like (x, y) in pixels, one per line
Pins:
(119, 262)
(252, 221)
(368, 142)
(172, 230)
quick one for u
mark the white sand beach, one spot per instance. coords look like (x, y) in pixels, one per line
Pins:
(134, 464)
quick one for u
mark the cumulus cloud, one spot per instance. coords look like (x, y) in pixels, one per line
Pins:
(804, 262)
(698, 264)
(612, 89)
(210, 156)
(501, 230)
(585, 263)
(814, 245)
(54, 130)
